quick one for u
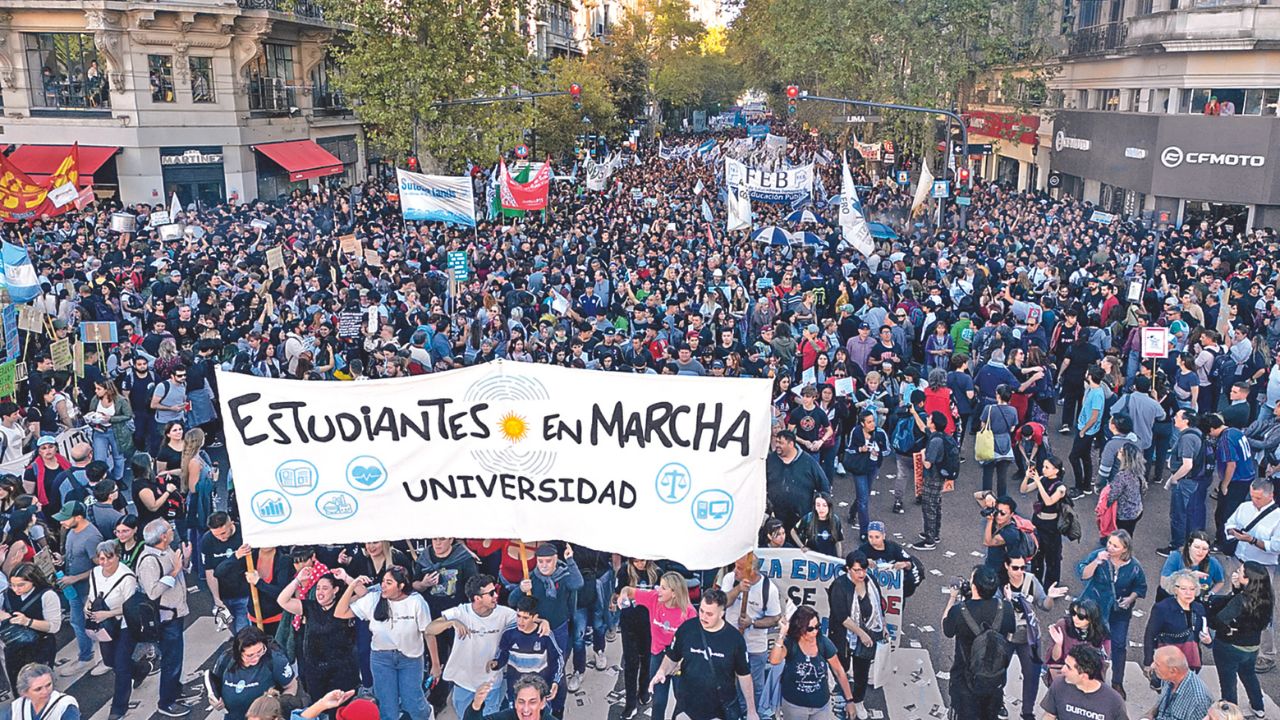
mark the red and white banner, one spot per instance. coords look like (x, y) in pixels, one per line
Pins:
(525, 196)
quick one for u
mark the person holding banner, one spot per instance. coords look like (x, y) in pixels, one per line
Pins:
(804, 652)
(668, 608)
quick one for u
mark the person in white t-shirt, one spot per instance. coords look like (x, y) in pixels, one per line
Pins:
(478, 629)
(398, 620)
(13, 435)
(755, 620)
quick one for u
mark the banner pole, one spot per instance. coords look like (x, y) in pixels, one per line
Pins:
(253, 591)
(524, 559)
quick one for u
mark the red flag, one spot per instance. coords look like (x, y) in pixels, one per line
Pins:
(21, 198)
(524, 196)
(85, 197)
(63, 184)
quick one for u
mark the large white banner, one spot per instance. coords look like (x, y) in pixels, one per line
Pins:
(769, 186)
(642, 465)
(853, 225)
(439, 198)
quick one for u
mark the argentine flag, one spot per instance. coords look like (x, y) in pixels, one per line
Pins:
(19, 274)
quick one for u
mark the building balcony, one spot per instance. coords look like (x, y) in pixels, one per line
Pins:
(1207, 25)
(302, 8)
(1105, 38)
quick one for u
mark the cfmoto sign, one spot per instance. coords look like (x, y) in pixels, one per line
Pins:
(1174, 156)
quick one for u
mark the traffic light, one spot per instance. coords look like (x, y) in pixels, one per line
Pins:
(793, 92)
(412, 163)
(964, 177)
(575, 92)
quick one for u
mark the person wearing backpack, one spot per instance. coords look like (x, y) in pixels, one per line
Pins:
(1189, 480)
(982, 625)
(1000, 534)
(935, 456)
(907, 436)
(162, 578)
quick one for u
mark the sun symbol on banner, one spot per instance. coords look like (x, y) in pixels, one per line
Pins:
(513, 427)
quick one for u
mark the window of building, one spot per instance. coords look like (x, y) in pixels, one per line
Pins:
(202, 79)
(1082, 100)
(1260, 102)
(1109, 100)
(271, 79)
(65, 72)
(1158, 102)
(324, 93)
(160, 76)
(1135, 100)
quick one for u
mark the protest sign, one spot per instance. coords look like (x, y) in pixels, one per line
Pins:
(511, 450)
(9, 315)
(437, 198)
(275, 259)
(350, 245)
(104, 332)
(769, 186)
(158, 218)
(1155, 342)
(373, 258)
(8, 378)
(349, 324)
(890, 581)
(60, 353)
(77, 359)
(123, 222)
(801, 576)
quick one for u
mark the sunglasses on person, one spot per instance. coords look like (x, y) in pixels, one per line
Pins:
(1080, 615)
(812, 628)
(1017, 567)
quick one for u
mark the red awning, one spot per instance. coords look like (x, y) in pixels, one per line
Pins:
(41, 161)
(302, 158)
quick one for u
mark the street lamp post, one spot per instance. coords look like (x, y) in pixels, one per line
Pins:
(964, 131)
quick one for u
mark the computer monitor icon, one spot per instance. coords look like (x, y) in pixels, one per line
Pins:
(712, 509)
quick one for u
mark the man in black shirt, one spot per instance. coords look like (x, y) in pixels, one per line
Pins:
(970, 697)
(713, 653)
(218, 544)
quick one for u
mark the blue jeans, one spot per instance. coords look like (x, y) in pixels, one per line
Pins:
(863, 485)
(239, 608)
(84, 643)
(171, 650)
(827, 460)
(118, 655)
(106, 449)
(1233, 662)
(1186, 509)
(1030, 662)
(1118, 624)
(461, 698)
(759, 663)
(397, 681)
(658, 711)
(582, 617)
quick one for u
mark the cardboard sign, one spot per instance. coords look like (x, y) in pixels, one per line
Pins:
(349, 324)
(123, 223)
(349, 244)
(259, 224)
(60, 353)
(29, 319)
(170, 231)
(158, 218)
(1155, 342)
(373, 258)
(77, 359)
(275, 259)
(99, 332)
(63, 195)
(1135, 291)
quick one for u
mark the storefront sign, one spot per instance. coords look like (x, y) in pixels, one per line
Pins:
(192, 157)
(1173, 156)
(1062, 141)
(1135, 153)
(1006, 126)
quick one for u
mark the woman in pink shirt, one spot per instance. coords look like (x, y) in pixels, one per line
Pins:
(669, 607)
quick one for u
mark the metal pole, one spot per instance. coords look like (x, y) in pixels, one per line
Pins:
(533, 153)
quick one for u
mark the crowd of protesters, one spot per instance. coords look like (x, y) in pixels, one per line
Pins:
(1009, 337)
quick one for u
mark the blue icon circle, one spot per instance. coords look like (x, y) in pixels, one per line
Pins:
(365, 473)
(270, 506)
(337, 505)
(712, 509)
(672, 483)
(297, 477)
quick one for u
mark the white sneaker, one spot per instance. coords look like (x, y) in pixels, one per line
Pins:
(99, 669)
(860, 711)
(75, 668)
(575, 682)
(602, 662)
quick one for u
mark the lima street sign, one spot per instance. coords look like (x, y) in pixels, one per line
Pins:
(856, 119)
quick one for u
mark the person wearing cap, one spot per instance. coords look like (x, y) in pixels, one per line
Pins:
(45, 475)
(553, 583)
(79, 555)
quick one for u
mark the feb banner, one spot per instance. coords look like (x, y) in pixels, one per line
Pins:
(769, 186)
(644, 466)
(437, 198)
(531, 195)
